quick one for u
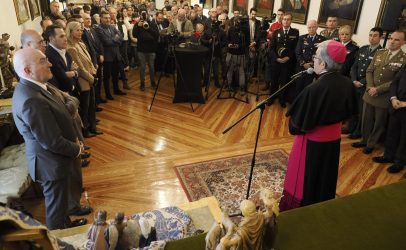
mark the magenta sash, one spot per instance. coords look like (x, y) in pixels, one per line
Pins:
(294, 180)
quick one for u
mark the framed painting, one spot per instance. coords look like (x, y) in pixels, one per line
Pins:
(34, 9)
(347, 12)
(241, 5)
(208, 4)
(224, 3)
(264, 7)
(21, 8)
(393, 10)
(298, 8)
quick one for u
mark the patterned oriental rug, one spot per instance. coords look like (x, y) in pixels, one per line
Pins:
(227, 178)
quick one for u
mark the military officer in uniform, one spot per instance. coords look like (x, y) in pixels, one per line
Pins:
(358, 76)
(282, 56)
(305, 49)
(380, 73)
(331, 33)
(345, 33)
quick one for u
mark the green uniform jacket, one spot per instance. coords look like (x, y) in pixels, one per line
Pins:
(380, 73)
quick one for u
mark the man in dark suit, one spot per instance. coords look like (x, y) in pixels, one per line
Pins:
(283, 57)
(254, 25)
(111, 39)
(47, 127)
(95, 49)
(64, 70)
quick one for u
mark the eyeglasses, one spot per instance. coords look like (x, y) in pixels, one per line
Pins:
(315, 57)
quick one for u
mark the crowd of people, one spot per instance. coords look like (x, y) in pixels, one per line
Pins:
(83, 48)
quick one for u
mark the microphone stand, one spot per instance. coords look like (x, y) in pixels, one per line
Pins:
(261, 106)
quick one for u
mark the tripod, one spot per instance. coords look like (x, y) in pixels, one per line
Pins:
(262, 57)
(241, 61)
(170, 51)
(214, 38)
(261, 106)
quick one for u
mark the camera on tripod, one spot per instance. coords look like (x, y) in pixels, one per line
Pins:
(144, 19)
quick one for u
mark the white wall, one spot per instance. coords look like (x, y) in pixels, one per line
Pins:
(9, 24)
(369, 14)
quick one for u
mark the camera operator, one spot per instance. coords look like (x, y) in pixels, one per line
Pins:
(181, 25)
(147, 35)
(238, 39)
(213, 38)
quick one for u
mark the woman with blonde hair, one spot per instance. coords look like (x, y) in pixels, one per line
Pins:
(345, 35)
(77, 50)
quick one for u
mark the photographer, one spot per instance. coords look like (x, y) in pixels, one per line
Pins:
(238, 39)
(213, 38)
(147, 35)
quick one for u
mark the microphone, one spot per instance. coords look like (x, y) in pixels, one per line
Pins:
(308, 71)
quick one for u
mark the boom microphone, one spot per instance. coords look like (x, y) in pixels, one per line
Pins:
(307, 71)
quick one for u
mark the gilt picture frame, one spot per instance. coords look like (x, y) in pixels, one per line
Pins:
(298, 8)
(347, 12)
(264, 7)
(22, 11)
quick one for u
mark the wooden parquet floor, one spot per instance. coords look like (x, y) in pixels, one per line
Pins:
(132, 164)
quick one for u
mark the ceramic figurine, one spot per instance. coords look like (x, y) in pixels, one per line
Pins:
(256, 231)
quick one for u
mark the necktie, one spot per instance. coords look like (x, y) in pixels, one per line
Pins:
(286, 32)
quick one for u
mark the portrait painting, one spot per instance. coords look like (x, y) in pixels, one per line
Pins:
(264, 7)
(240, 5)
(34, 9)
(347, 12)
(21, 8)
(298, 8)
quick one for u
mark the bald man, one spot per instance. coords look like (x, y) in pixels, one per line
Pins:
(33, 39)
(48, 130)
(305, 49)
(181, 25)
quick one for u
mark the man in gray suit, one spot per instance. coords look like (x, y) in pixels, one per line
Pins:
(47, 127)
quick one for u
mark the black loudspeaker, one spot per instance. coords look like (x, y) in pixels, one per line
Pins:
(392, 13)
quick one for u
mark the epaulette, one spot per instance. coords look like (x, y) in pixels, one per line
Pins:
(354, 43)
(383, 49)
(365, 46)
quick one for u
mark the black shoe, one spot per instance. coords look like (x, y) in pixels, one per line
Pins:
(81, 211)
(142, 87)
(354, 136)
(97, 120)
(98, 109)
(394, 169)
(88, 134)
(78, 222)
(96, 132)
(86, 147)
(358, 145)
(102, 100)
(110, 97)
(367, 150)
(84, 155)
(382, 159)
(119, 92)
(85, 163)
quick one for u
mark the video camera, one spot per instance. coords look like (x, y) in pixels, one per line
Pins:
(144, 19)
(266, 22)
